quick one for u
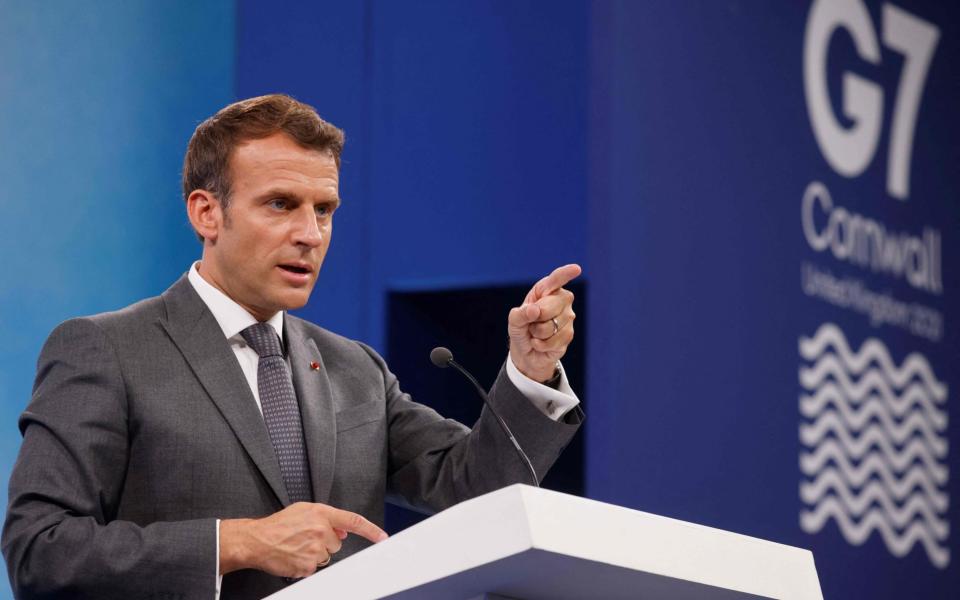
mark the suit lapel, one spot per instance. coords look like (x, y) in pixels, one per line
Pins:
(316, 407)
(195, 331)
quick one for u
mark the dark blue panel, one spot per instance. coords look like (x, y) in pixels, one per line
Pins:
(466, 158)
(702, 148)
(317, 52)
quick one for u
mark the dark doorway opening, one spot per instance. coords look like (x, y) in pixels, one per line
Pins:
(472, 324)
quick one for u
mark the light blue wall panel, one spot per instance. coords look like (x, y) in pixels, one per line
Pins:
(97, 102)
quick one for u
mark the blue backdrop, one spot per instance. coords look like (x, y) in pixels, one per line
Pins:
(764, 197)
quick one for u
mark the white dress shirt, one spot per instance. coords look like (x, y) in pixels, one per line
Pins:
(233, 319)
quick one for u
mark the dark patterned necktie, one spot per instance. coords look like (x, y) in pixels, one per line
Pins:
(280, 410)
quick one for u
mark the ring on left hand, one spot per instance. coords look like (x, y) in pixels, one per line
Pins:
(556, 326)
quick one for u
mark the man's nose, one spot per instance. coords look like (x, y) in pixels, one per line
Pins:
(306, 228)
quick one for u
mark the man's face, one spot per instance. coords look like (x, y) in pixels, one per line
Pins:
(274, 235)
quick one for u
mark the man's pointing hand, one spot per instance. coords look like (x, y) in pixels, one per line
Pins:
(542, 327)
(292, 542)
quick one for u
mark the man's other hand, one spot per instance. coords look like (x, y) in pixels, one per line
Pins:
(292, 542)
(542, 327)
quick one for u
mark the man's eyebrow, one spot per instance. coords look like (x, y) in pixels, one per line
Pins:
(279, 193)
(333, 203)
(285, 193)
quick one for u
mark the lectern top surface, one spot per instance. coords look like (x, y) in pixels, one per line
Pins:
(532, 543)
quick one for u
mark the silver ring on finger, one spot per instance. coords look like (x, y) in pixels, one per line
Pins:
(556, 326)
(321, 565)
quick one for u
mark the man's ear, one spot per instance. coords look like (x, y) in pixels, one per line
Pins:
(205, 214)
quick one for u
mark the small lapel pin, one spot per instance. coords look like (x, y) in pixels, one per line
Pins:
(315, 366)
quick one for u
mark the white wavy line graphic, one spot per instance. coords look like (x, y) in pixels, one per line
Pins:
(871, 350)
(866, 434)
(873, 405)
(870, 437)
(857, 533)
(831, 422)
(811, 463)
(812, 377)
(898, 489)
(856, 504)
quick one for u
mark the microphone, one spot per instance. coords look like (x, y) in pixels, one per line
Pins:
(443, 358)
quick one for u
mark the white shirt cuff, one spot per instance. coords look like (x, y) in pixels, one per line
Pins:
(554, 403)
(217, 563)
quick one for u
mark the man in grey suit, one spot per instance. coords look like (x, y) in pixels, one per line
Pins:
(206, 444)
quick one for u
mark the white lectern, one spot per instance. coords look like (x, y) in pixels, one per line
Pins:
(531, 544)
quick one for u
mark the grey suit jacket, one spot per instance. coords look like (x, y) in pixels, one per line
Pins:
(142, 431)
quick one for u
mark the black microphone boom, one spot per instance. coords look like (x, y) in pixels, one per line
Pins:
(443, 358)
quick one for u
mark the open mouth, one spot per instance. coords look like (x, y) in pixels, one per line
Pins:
(295, 269)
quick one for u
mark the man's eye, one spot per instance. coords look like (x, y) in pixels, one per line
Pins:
(323, 210)
(278, 203)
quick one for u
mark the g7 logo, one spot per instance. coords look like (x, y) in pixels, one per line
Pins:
(850, 150)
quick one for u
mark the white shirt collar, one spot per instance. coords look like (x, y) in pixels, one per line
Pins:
(231, 317)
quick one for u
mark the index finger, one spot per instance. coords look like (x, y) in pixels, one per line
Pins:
(354, 523)
(556, 280)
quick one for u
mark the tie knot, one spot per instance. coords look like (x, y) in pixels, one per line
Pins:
(263, 339)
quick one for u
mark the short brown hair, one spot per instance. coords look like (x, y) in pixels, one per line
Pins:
(206, 165)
